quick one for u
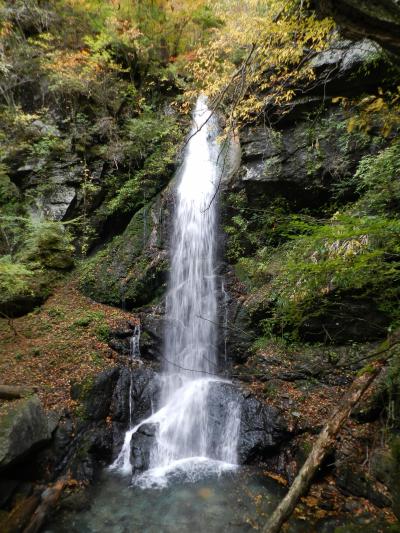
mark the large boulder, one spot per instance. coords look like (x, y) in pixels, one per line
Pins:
(236, 331)
(153, 326)
(348, 67)
(134, 395)
(141, 444)
(260, 432)
(24, 427)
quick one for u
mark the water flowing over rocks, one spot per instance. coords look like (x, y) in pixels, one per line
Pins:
(261, 429)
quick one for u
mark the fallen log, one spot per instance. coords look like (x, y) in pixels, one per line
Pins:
(13, 392)
(49, 499)
(324, 444)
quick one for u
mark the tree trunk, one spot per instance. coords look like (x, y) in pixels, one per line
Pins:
(321, 448)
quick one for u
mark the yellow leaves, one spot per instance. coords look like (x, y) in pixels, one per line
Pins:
(352, 124)
(6, 29)
(374, 111)
(339, 100)
(277, 36)
(377, 105)
(280, 479)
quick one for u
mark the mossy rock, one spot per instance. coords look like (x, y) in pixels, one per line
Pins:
(131, 270)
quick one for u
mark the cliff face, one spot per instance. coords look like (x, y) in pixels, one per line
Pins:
(377, 19)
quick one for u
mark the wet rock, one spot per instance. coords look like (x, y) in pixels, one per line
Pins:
(75, 502)
(261, 428)
(151, 339)
(379, 20)
(237, 334)
(23, 429)
(144, 387)
(355, 481)
(97, 395)
(260, 433)
(141, 445)
(297, 163)
(120, 338)
(343, 66)
(81, 449)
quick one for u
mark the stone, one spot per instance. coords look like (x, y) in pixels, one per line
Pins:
(298, 163)
(23, 429)
(261, 428)
(151, 339)
(353, 480)
(96, 396)
(143, 388)
(377, 19)
(343, 58)
(141, 445)
(55, 205)
(348, 319)
(131, 271)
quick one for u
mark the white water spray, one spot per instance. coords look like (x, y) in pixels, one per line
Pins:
(183, 439)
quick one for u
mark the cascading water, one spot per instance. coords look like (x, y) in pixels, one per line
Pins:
(184, 441)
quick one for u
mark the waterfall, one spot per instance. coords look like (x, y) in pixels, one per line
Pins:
(185, 440)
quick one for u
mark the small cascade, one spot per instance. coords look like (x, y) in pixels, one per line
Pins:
(134, 356)
(225, 300)
(122, 463)
(187, 442)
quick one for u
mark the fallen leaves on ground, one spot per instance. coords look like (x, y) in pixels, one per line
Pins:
(58, 344)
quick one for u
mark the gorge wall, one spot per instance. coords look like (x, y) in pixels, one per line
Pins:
(314, 170)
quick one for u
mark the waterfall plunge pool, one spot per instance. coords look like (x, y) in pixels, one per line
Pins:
(231, 502)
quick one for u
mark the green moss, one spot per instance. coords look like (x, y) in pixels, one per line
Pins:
(102, 332)
(130, 270)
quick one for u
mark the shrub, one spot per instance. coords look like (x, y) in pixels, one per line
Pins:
(348, 254)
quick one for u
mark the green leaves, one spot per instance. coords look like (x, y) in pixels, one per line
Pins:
(378, 179)
(14, 278)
